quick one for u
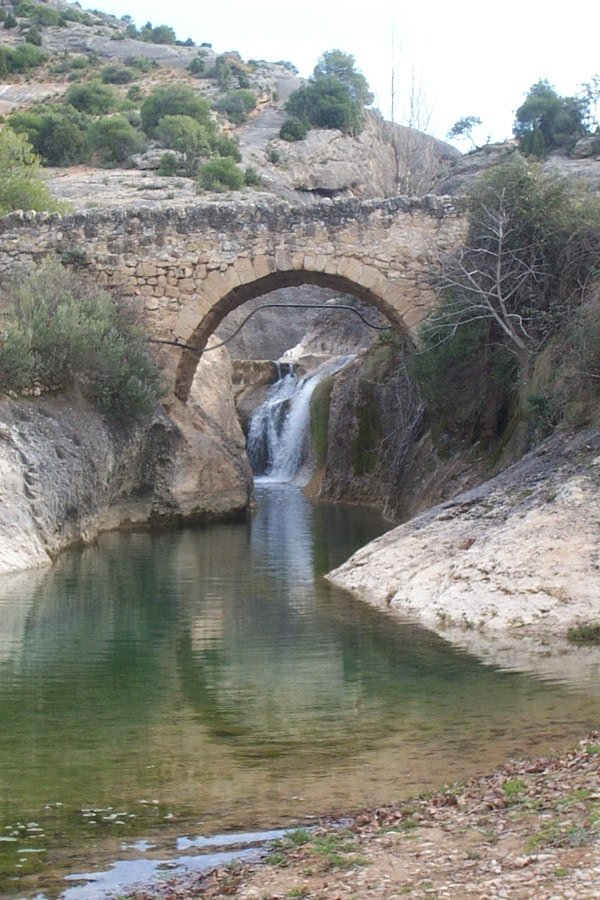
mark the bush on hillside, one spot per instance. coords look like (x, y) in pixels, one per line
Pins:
(173, 100)
(20, 184)
(92, 97)
(546, 121)
(61, 330)
(220, 174)
(236, 105)
(197, 66)
(57, 132)
(116, 74)
(334, 97)
(23, 58)
(223, 145)
(112, 139)
(188, 137)
(293, 129)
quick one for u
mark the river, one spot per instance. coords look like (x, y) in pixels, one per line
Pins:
(157, 688)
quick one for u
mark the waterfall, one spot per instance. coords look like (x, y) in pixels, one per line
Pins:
(278, 435)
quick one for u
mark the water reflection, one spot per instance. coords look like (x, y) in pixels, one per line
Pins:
(213, 670)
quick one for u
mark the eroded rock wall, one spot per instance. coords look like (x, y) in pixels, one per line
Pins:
(66, 474)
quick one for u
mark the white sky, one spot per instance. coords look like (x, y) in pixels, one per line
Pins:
(467, 57)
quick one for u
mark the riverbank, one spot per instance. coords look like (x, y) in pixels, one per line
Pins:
(529, 829)
(518, 554)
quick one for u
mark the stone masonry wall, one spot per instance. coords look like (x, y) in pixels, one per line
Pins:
(183, 270)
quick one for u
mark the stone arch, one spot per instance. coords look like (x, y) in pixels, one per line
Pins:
(221, 293)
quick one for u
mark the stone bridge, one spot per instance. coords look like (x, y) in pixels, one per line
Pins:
(183, 269)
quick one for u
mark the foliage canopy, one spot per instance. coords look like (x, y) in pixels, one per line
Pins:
(335, 96)
(61, 330)
(546, 121)
(526, 273)
(173, 100)
(20, 184)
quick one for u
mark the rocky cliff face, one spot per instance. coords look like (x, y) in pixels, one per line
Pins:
(518, 553)
(378, 447)
(66, 475)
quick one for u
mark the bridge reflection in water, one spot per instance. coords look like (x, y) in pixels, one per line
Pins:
(213, 670)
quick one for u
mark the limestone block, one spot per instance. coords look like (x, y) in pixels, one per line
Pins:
(351, 269)
(263, 266)
(283, 260)
(146, 270)
(186, 323)
(245, 271)
(374, 280)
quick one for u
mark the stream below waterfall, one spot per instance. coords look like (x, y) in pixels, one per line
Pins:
(157, 689)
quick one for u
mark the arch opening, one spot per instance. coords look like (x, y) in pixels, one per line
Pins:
(210, 319)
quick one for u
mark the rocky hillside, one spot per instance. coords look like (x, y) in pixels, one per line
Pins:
(69, 46)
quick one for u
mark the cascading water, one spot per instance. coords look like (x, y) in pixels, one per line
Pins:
(278, 436)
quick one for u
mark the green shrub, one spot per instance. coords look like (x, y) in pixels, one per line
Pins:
(77, 63)
(76, 15)
(135, 94)
(221, 174)
(467, 380)
(45, 15)
(236, 105)
(10, 21)
(169, 164)
(69, 332)
(565, 381)
(113, 139)
(293, 129)
(56, 132)
(34, 36)
(197, 66)
(187, 136)
(223, 145)
(141, 63)
(161, 34)
(334, 97)
(252, 178)
(584, 634)
(173, 100)
(116, 74)
(20, 184)
(517, 326)
(222, 72)
(93, 98)
(546, 121)
(25, 57)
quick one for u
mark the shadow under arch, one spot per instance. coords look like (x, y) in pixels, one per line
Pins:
(210, 319)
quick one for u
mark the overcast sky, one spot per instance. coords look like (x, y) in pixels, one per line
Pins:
(465, 57)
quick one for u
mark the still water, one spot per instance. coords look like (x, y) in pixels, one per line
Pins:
(190, 682)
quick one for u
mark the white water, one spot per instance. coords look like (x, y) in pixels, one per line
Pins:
(278, 436)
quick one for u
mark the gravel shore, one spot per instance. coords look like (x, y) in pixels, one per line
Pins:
(530, 829)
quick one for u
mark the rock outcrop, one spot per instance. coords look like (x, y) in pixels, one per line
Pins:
(519, 553)
(66, 474)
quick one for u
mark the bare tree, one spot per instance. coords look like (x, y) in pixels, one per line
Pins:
(495, 276)
(416, 155)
